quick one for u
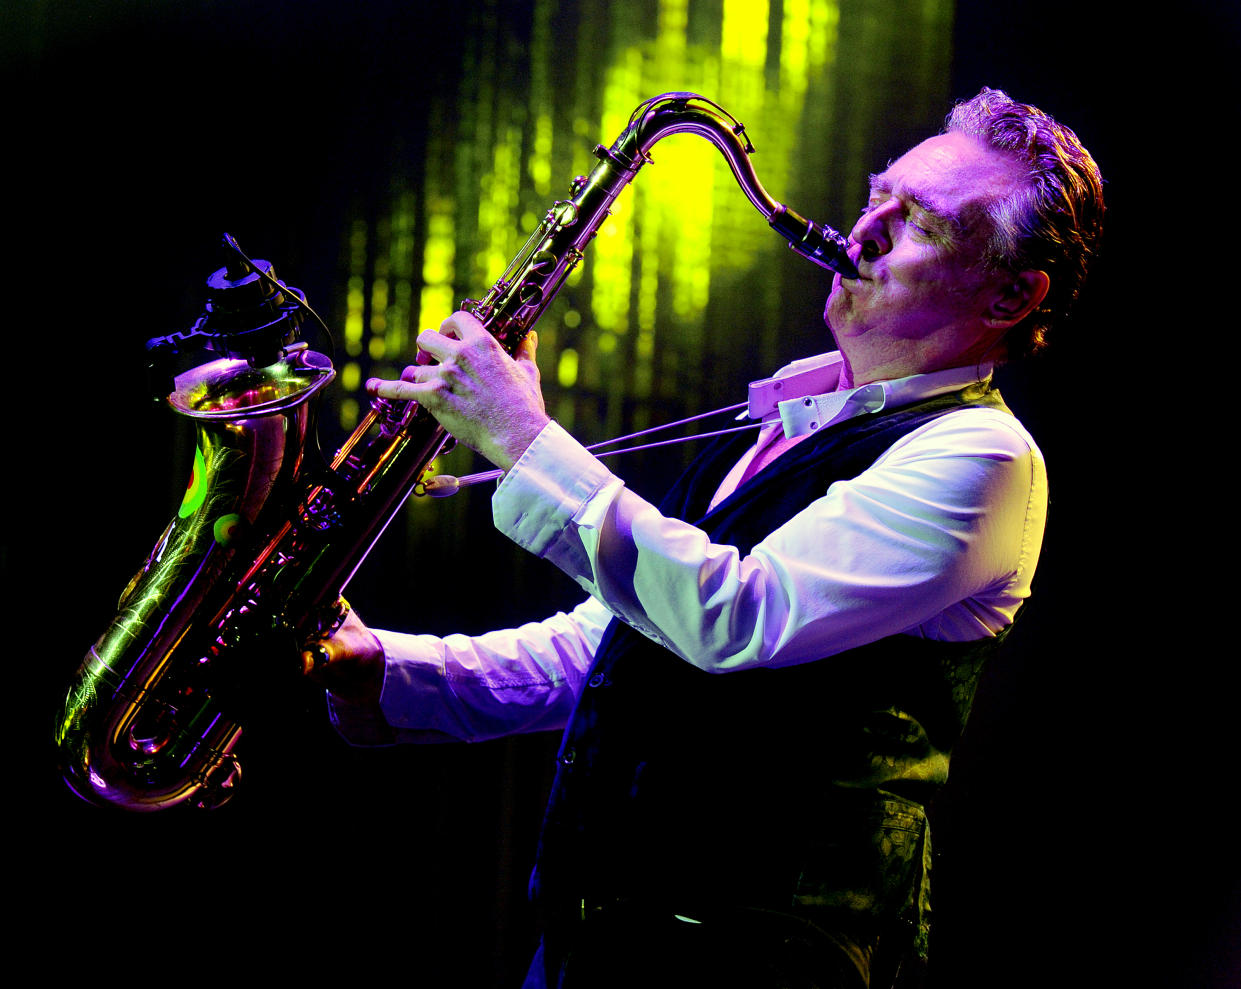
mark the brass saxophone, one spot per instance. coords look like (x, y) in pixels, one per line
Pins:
(267, 537)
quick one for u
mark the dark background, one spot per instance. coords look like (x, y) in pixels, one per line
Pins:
(1089, 835)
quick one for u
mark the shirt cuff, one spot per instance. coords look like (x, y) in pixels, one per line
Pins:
(552, 485)
(412, 691)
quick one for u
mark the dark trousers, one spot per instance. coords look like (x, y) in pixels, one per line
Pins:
(627, 946)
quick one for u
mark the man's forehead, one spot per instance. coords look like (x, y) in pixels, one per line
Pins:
(948, 170)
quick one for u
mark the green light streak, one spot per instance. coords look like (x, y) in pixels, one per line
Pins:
(566, 368)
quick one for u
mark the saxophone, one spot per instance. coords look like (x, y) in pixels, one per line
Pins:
(267, 537)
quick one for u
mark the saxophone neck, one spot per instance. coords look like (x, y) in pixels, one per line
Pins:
(680, 113)
(689, 113)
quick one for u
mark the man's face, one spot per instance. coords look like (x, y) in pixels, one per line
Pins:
(917, 246)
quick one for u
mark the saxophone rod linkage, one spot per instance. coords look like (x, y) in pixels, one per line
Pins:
(443, 485)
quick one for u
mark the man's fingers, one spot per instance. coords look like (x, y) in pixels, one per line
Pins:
(316, 658)
(402, 390)
(525, 354)
(456, 334)
(434, 346)
(526, 349)
(417, 383)
(349, 662)
(464, 327)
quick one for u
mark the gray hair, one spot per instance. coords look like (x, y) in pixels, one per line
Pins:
(1054, 222)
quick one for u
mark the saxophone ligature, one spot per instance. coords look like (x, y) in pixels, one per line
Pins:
(261, 548)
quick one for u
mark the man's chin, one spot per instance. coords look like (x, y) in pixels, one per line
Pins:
(833, 302)
(836, 314)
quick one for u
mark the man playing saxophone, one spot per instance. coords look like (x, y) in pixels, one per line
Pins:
(762, 691)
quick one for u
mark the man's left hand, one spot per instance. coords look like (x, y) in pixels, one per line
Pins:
(487, 400)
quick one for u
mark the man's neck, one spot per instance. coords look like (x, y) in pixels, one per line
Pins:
(852, 376)
(876, 360)
(846, 374)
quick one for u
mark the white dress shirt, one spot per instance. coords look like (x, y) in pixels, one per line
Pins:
(938, 538)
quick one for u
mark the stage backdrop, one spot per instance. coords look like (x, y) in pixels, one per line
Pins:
(389, 158)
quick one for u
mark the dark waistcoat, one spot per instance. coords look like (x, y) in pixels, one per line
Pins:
(797, 789)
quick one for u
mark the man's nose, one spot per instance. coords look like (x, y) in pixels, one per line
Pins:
(871, 231)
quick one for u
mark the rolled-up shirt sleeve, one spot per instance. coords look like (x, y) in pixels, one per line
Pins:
(938, 538)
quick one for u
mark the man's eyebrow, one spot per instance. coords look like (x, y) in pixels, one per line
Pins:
(952, 222)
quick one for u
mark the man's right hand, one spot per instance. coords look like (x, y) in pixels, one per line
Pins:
(354, 670)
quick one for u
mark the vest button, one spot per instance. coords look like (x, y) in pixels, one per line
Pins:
(568, 756)
(598, 680)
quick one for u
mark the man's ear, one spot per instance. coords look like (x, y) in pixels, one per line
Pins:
(1016, 297)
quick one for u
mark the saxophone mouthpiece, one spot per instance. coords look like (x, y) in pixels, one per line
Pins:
(816, 242)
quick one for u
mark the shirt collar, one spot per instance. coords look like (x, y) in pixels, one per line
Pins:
(803, 395)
